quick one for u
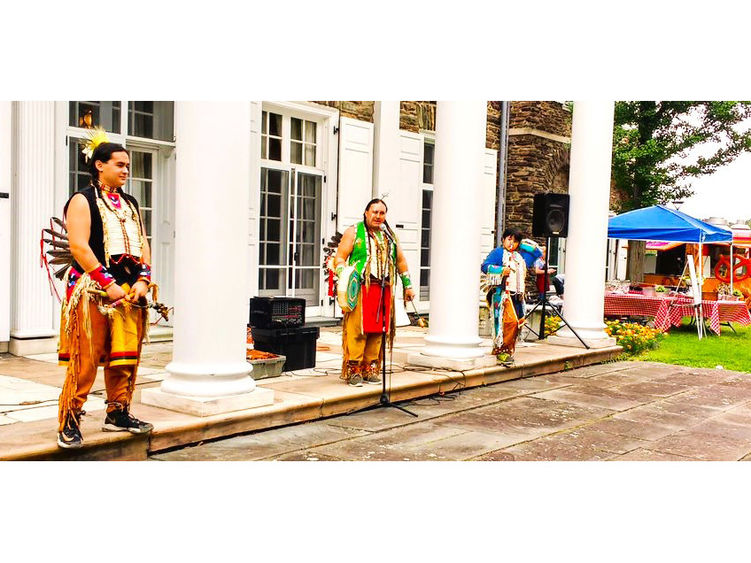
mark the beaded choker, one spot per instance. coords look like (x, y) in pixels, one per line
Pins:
(105, 188)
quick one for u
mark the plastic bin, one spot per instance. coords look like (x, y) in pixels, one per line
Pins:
(297, 344)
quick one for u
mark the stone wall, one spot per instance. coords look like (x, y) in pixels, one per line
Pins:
(416, 116)
(550, 117)
(535, 164)
(538, 162)
(355, 110)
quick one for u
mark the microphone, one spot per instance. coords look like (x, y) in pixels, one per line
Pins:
(385, 231)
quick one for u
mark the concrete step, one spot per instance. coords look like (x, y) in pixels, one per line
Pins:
(298, 398)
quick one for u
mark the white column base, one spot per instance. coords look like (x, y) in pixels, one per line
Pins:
(456, 364)
(208, 380)
(604, 342)
(207, 406)
(32, 346)
(452, 347)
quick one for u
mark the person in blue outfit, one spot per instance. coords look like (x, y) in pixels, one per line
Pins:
(506, 271)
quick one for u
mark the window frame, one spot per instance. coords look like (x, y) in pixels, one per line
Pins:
(321, 116)
(73, 134)
(428, 139)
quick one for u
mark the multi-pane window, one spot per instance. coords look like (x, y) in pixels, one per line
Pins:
(145, 120)
(304, 226)
(273, 209)
(427, 206)
(78, 173)
(557, 252)
(427, 165)
(303, 142)
(140, 185)
(151, 120)
(95, 114)
(271, 136)
(427, 212)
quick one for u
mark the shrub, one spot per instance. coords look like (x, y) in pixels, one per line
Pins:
(552, 323)
(634, 338)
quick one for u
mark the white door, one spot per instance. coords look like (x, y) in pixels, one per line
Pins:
(290, 249)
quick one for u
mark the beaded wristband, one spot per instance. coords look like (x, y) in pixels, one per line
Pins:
(145, 273)
(406, 280)
(101, 276)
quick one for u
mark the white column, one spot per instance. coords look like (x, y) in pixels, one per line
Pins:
(385, 148)
(386, 170)
(453, 339)
(586, 247)
(6, 175)
(32, 204)
(208, 373)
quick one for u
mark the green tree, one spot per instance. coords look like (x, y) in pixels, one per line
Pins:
(655, 147)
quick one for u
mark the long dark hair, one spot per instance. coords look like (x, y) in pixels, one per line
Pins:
(513, 233)
(370, 204)
(103, 152)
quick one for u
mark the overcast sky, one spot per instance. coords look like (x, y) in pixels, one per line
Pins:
(726, 193)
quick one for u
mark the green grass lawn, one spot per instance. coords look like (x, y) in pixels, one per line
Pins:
(731, 350)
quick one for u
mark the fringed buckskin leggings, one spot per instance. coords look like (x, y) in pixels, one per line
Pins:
(84, 350)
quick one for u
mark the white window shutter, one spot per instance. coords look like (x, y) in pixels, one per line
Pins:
(405, 203)
(355, 170)
(488, 203)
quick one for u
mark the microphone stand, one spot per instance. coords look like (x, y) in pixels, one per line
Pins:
(385, 400)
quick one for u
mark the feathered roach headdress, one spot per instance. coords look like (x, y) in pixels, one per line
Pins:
(96, 137)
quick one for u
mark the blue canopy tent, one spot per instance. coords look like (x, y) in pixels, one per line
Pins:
(668, 225)
(663, 224)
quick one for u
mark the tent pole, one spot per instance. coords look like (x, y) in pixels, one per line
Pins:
(732, 269)
(701, 267)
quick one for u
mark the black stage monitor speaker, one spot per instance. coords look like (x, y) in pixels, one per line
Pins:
(277, 312)
(550, 215)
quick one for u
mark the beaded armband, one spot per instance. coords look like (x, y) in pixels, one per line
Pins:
(145, 273)
(101, 276)
(406, 280)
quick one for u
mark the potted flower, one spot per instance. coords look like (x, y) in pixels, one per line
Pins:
(661, 291)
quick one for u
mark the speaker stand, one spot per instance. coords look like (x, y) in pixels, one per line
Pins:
(543, 302)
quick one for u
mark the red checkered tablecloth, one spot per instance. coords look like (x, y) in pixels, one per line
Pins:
(717, 312)
(633, 305)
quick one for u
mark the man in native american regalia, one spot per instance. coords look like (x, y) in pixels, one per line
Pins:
(369, 257)
(505, 271)
(104, 314)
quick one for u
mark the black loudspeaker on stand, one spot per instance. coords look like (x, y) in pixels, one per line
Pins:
(550, 215)
(550, 219)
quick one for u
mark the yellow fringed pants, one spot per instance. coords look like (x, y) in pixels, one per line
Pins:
(112, 342)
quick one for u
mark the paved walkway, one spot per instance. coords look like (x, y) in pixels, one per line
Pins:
(29, 388)
(630, 411)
